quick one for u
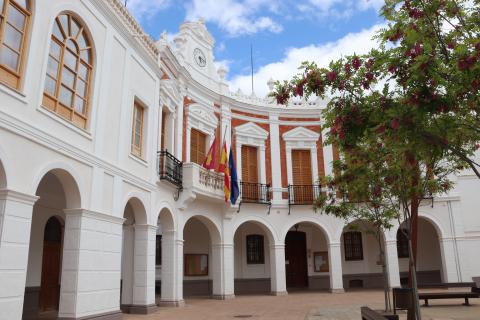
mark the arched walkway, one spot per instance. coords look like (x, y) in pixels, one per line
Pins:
(361, 259)
(252, 263)
(134, 272)
(57, 191)
(202, 258)
(307, 265)
(430, 266)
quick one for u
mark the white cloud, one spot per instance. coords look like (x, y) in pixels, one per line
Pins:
(234, 17)
(322, 54)
(146, 8)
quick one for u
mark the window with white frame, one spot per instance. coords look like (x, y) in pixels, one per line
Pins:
(201, 122)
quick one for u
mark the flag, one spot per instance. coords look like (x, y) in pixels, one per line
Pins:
(209, 162)
(234, 191)
(226, 172)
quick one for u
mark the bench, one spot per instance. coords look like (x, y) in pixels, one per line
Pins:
(473, 293)
(369, 314)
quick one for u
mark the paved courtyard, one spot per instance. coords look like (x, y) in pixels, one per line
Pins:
(304, 306)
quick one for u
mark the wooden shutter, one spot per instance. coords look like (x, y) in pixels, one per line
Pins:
(302, 167)
(249, 164)
(197, 146)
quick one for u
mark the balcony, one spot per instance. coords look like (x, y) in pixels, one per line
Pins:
(170, 169)
(201, 182)
(254, 193)
(303, 194)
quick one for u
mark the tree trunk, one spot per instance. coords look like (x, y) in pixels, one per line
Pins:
(413, 240)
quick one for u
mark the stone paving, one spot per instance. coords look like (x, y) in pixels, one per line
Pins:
(304, 306)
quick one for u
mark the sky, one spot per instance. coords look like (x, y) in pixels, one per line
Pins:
(283, 33)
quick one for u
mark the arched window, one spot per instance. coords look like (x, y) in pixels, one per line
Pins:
(14, 23)
(69, 71)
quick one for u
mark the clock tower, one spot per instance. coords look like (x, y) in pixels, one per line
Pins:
(194, 48)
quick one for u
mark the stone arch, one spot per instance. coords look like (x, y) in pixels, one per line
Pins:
(213, 228)
(70, 180)
(310, 220)
(253, 269)
(137, 204)
(262, 223)
(431, 261)
(166, 214)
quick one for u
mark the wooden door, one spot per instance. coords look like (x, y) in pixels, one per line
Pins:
(51, 264)
(197, 146)
(250, 188)
(302, 176)
(296, 259)
(162, 137)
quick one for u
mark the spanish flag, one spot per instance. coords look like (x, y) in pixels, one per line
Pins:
(209, 162)
(224, 167)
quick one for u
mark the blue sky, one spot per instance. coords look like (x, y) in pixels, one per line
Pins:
(283, 33)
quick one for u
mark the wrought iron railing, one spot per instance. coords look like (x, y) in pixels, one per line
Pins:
(303, 194)
(255, 192)
(170, 168)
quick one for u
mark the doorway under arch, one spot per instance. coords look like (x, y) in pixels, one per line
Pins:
(57, 191)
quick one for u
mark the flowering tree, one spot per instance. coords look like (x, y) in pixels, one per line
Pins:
(412, 104)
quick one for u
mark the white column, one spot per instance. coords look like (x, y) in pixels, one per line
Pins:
(179, 275)
(277, 269)
(15, 223)
(187, 146)
(238, 153)
(391, 259)
(144, 269)
(179, 136)
(335, 263)
(170, 269)
(275, 158)
(170, 133)
(449, 266)
(263, 165)
(91, 264)
(288, 153)
(222, 271)
(226, 125)
(327, 155)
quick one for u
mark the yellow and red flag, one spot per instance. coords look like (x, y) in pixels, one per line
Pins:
(224, 167)
(209, 162)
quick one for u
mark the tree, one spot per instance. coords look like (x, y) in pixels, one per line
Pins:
(416, 97)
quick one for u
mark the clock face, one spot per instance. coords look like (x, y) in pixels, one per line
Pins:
(199, 57)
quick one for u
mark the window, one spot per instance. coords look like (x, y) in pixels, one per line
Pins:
(197, 146)
(158, 250)
(196, 264)
(69, 71)
(249, 164)
(352, 242)
(302, 176)
(137, 129)
(402, 243)
(14, 24)
(255, 249)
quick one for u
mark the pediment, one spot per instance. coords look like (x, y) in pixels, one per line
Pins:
(251, 130)
(300, 134)
(203, 114)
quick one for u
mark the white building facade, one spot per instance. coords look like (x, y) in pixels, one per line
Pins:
(105, 210)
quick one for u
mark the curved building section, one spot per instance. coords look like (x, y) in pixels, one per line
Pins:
(105, 207)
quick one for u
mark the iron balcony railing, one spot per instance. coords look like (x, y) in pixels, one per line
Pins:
(170, 168)
(303, 194)
(254, 192)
